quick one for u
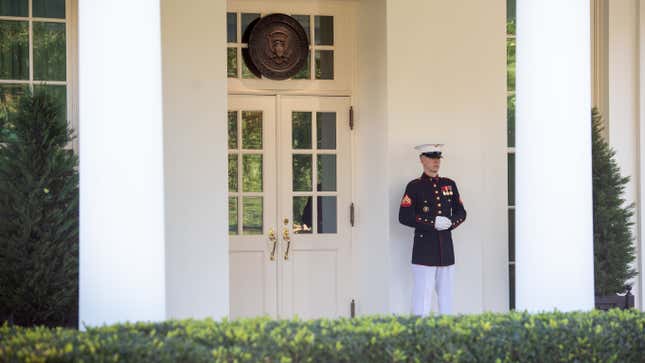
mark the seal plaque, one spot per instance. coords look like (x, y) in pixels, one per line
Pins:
(278, 46)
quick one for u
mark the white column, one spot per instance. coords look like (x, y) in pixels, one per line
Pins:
(554, 230)
(122, 270)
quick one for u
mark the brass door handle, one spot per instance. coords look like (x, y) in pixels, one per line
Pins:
(286, 238)
(274, 240)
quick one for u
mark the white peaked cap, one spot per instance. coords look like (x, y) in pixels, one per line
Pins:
(429, 148)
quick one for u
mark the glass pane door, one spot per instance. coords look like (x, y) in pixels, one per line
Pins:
(314, 197)
(311, 204)
(289, 177)
(252, 205)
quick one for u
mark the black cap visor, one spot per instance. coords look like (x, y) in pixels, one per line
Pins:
(433, 155)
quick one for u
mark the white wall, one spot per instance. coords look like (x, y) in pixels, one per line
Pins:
(446, 83)
(418, 83)
(623, 114)
(195, 158)
(640, 242)
(370, 247)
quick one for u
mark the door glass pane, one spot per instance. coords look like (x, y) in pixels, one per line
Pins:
(231, 62)
(305, 71)
(326, 130)
(301, 130)
(14, 52)
(327, 214)
(9, 97)
(232, 215)
(510, 16)
(324, 64)
(511, 179)
(252, 172)
(302, 173)
(231, 27)
(511, 234)
(302, 214)
(247, 18)
(252, 215)
(232, 172)
(252, 129)
(10, 94)
(246, 72)
(49, 9)
(14, 8)
(510, 119)
(49, 51)
(326, 173)
(324, 30)
(511, 278)
(232, 129)
(510, 64)
(59, 93)
(304, 21)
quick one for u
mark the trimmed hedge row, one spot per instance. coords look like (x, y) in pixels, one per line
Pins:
(596, 336)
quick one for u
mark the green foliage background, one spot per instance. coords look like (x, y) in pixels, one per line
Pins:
(38, 216)
(614, 250)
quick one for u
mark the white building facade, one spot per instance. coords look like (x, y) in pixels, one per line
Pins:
(207, 192)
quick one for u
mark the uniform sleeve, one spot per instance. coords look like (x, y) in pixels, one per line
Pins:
(458, 210)
(407, 215)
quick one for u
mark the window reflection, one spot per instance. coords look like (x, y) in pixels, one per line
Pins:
(302, 214)
(327, 214)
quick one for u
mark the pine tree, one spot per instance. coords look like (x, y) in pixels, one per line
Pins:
(613, 241)
(38, 216)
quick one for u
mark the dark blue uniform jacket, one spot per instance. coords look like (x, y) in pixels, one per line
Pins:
(425, 198)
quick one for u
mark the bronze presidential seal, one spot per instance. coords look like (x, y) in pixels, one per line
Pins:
(278, 47)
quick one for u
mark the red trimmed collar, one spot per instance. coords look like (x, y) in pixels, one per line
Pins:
(426, 176)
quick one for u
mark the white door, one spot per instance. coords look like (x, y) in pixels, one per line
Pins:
(314, 190)
(307, 211)
(252, 205)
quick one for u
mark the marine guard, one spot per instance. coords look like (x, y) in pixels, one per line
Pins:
(433, 207)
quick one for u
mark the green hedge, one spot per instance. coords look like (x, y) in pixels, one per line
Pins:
(596, 336)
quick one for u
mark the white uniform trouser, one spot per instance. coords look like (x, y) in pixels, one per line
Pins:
(426, 279)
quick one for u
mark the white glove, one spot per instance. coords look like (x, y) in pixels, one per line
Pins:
(441, 223)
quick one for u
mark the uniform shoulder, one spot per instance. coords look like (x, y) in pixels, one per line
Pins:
(414, 181)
